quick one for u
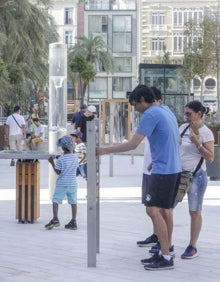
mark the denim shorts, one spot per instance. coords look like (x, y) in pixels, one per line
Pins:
(197, 191)
(82, 170)
(62, 191)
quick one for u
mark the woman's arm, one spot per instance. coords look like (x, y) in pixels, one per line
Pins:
(206, 149)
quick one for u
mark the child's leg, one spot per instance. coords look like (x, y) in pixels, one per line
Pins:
(55, 210)
(74, 211)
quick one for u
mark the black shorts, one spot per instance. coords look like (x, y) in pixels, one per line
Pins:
(145, 182)
(162, 190)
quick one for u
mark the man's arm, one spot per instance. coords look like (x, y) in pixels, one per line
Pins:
(123, 147)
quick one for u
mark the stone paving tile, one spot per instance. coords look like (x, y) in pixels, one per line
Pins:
(31, 253)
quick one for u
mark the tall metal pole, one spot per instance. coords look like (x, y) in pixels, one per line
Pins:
(92, 196)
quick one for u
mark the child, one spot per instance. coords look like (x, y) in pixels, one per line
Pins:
(30, 130)
(38, 135)
(81, 153)
(66, 184)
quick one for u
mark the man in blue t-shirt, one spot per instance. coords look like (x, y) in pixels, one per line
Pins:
(159, 125)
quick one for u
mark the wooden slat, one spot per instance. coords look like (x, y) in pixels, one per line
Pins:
(27, 191)
(29, 174)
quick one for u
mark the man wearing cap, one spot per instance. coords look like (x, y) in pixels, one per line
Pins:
(15, 128)
(77, 115)
(87, 116)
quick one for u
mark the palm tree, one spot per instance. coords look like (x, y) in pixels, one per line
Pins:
(26, 31)
(94, 51)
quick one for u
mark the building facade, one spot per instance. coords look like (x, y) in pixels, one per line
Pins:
(135, 31)
(65, 14)
(116, 22)
(161, 28)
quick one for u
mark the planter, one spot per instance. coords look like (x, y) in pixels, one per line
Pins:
(215, 130)
(213, 169)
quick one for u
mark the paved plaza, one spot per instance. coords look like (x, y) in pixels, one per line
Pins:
(31, 253)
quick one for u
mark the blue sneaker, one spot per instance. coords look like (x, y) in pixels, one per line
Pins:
(190, 252)
(155, 250)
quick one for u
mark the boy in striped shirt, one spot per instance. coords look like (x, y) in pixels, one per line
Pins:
(66, 184)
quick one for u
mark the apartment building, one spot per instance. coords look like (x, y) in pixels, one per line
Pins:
(136, 31)
(116, 22)
(65, 15)
(162, 24)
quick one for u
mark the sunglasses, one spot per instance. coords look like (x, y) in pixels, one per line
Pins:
(188, 114)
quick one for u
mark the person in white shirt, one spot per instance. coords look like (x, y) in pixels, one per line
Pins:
(197, 144)
(15, 131)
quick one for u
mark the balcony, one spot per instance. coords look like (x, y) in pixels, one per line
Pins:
(97, 5)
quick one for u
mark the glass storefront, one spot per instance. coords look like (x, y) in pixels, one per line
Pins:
(172, 85)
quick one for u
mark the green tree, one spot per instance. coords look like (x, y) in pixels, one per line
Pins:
(83, 73)
(94, 57)
(26, 31)
(199, 51)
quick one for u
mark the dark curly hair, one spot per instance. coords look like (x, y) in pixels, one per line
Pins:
(196, 106)
(142, 91)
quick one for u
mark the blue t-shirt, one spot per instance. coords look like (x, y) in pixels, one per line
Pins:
(159, 124)
(67, 164)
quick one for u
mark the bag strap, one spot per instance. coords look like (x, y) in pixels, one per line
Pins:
(181, 135)
(198, 166)
(201, 160)
(16, 121)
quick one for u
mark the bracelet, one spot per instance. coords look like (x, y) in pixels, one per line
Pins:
(199, 146)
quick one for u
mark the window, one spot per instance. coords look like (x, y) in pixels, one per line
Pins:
(68, 17)
(98, 88)
(178, 43)
(98, 25)
(124, 5)
(97, 5)
(196, 83)
(68, 37)
(122, 64)
(121, 33)
(158, 44)
(182, 16)
(120, 86)
(210, 83)
(158, 18)
(104, 23)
